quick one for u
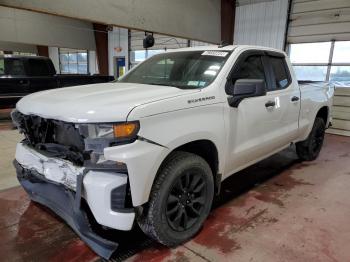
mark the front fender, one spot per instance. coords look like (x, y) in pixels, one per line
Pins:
(163, 133)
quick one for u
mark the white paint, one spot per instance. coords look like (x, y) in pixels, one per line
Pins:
(54, 169)
(115, 97)
(97, 192)
(97, 186)
(242, 136)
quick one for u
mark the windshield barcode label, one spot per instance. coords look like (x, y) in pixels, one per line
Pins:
(215, 53)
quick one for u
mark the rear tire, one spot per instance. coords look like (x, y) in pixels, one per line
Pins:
(180, 199)
(310, 148)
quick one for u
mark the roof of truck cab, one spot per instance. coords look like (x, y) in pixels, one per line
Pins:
(225, 48)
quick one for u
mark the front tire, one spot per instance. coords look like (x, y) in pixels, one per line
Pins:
(310, 148)
(180, 199)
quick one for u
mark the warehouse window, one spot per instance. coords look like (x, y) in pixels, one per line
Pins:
(73, 61)
(325, 61)
(138, 56)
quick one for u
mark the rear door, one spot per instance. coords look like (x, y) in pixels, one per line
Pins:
(41, 76)
(286, 97)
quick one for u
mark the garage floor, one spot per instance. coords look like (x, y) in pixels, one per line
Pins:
(277, 210)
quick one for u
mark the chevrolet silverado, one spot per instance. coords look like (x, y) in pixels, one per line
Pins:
(153, 147)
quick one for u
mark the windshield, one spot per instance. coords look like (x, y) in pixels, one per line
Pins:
(193, 69)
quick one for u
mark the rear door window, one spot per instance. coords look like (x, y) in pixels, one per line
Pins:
(38, 67)
(2, 66)
(281, 75)
(14, 67)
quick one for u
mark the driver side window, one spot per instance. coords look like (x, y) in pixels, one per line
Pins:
(250, 68)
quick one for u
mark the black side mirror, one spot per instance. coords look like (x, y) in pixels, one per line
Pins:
(244, 88)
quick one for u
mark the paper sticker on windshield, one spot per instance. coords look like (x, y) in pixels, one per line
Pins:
(192, 83)
(215, 53)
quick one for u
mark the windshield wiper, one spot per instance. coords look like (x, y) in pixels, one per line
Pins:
(160, 84)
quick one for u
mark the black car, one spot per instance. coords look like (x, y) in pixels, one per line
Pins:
(22, 75)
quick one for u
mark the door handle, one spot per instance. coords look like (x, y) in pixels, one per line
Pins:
(294, 99)
(270, 104)
(24, 83)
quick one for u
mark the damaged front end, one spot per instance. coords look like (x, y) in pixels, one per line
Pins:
(66, 204)
(60, 165)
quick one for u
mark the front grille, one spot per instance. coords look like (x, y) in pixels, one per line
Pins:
(53, 137)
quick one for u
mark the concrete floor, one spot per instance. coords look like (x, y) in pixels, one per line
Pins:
(8, 141)
(277, 210)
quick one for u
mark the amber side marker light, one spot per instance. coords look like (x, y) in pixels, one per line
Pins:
(125, 130)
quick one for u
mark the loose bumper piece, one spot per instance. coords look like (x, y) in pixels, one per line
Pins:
(61, 186)
(66, 204)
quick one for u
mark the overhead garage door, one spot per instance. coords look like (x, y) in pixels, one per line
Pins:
(319, 20)
(319, 38)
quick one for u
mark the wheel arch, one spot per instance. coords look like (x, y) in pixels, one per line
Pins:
(323, 113)
(204, 148)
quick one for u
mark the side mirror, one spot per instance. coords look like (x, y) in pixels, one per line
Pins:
(244, 88)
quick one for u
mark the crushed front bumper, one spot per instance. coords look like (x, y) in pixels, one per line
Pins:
(66, 204)
(61, 186)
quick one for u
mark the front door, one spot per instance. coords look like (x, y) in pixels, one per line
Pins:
(259, 125)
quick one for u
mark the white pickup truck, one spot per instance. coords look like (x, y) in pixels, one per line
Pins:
(154, 146)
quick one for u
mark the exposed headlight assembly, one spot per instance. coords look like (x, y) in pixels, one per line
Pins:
(119, 131)
(100, 136)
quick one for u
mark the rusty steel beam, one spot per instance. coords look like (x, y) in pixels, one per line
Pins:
(101, 40)
(228, 9)
(43, 50)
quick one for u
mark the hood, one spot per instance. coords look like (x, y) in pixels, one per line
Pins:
(107, 102)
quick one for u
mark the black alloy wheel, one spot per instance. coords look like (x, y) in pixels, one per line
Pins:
(186, 200)
(310, 148)
(180, 200)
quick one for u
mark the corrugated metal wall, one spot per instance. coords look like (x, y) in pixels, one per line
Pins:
(319, 20)
(261, 22)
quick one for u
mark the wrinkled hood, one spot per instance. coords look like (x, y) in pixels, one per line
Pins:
(107, 102)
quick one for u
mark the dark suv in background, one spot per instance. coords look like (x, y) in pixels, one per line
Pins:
(22, 75)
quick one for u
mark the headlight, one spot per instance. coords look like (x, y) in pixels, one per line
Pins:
(112, 131)
(126, 130)
(99, 136)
